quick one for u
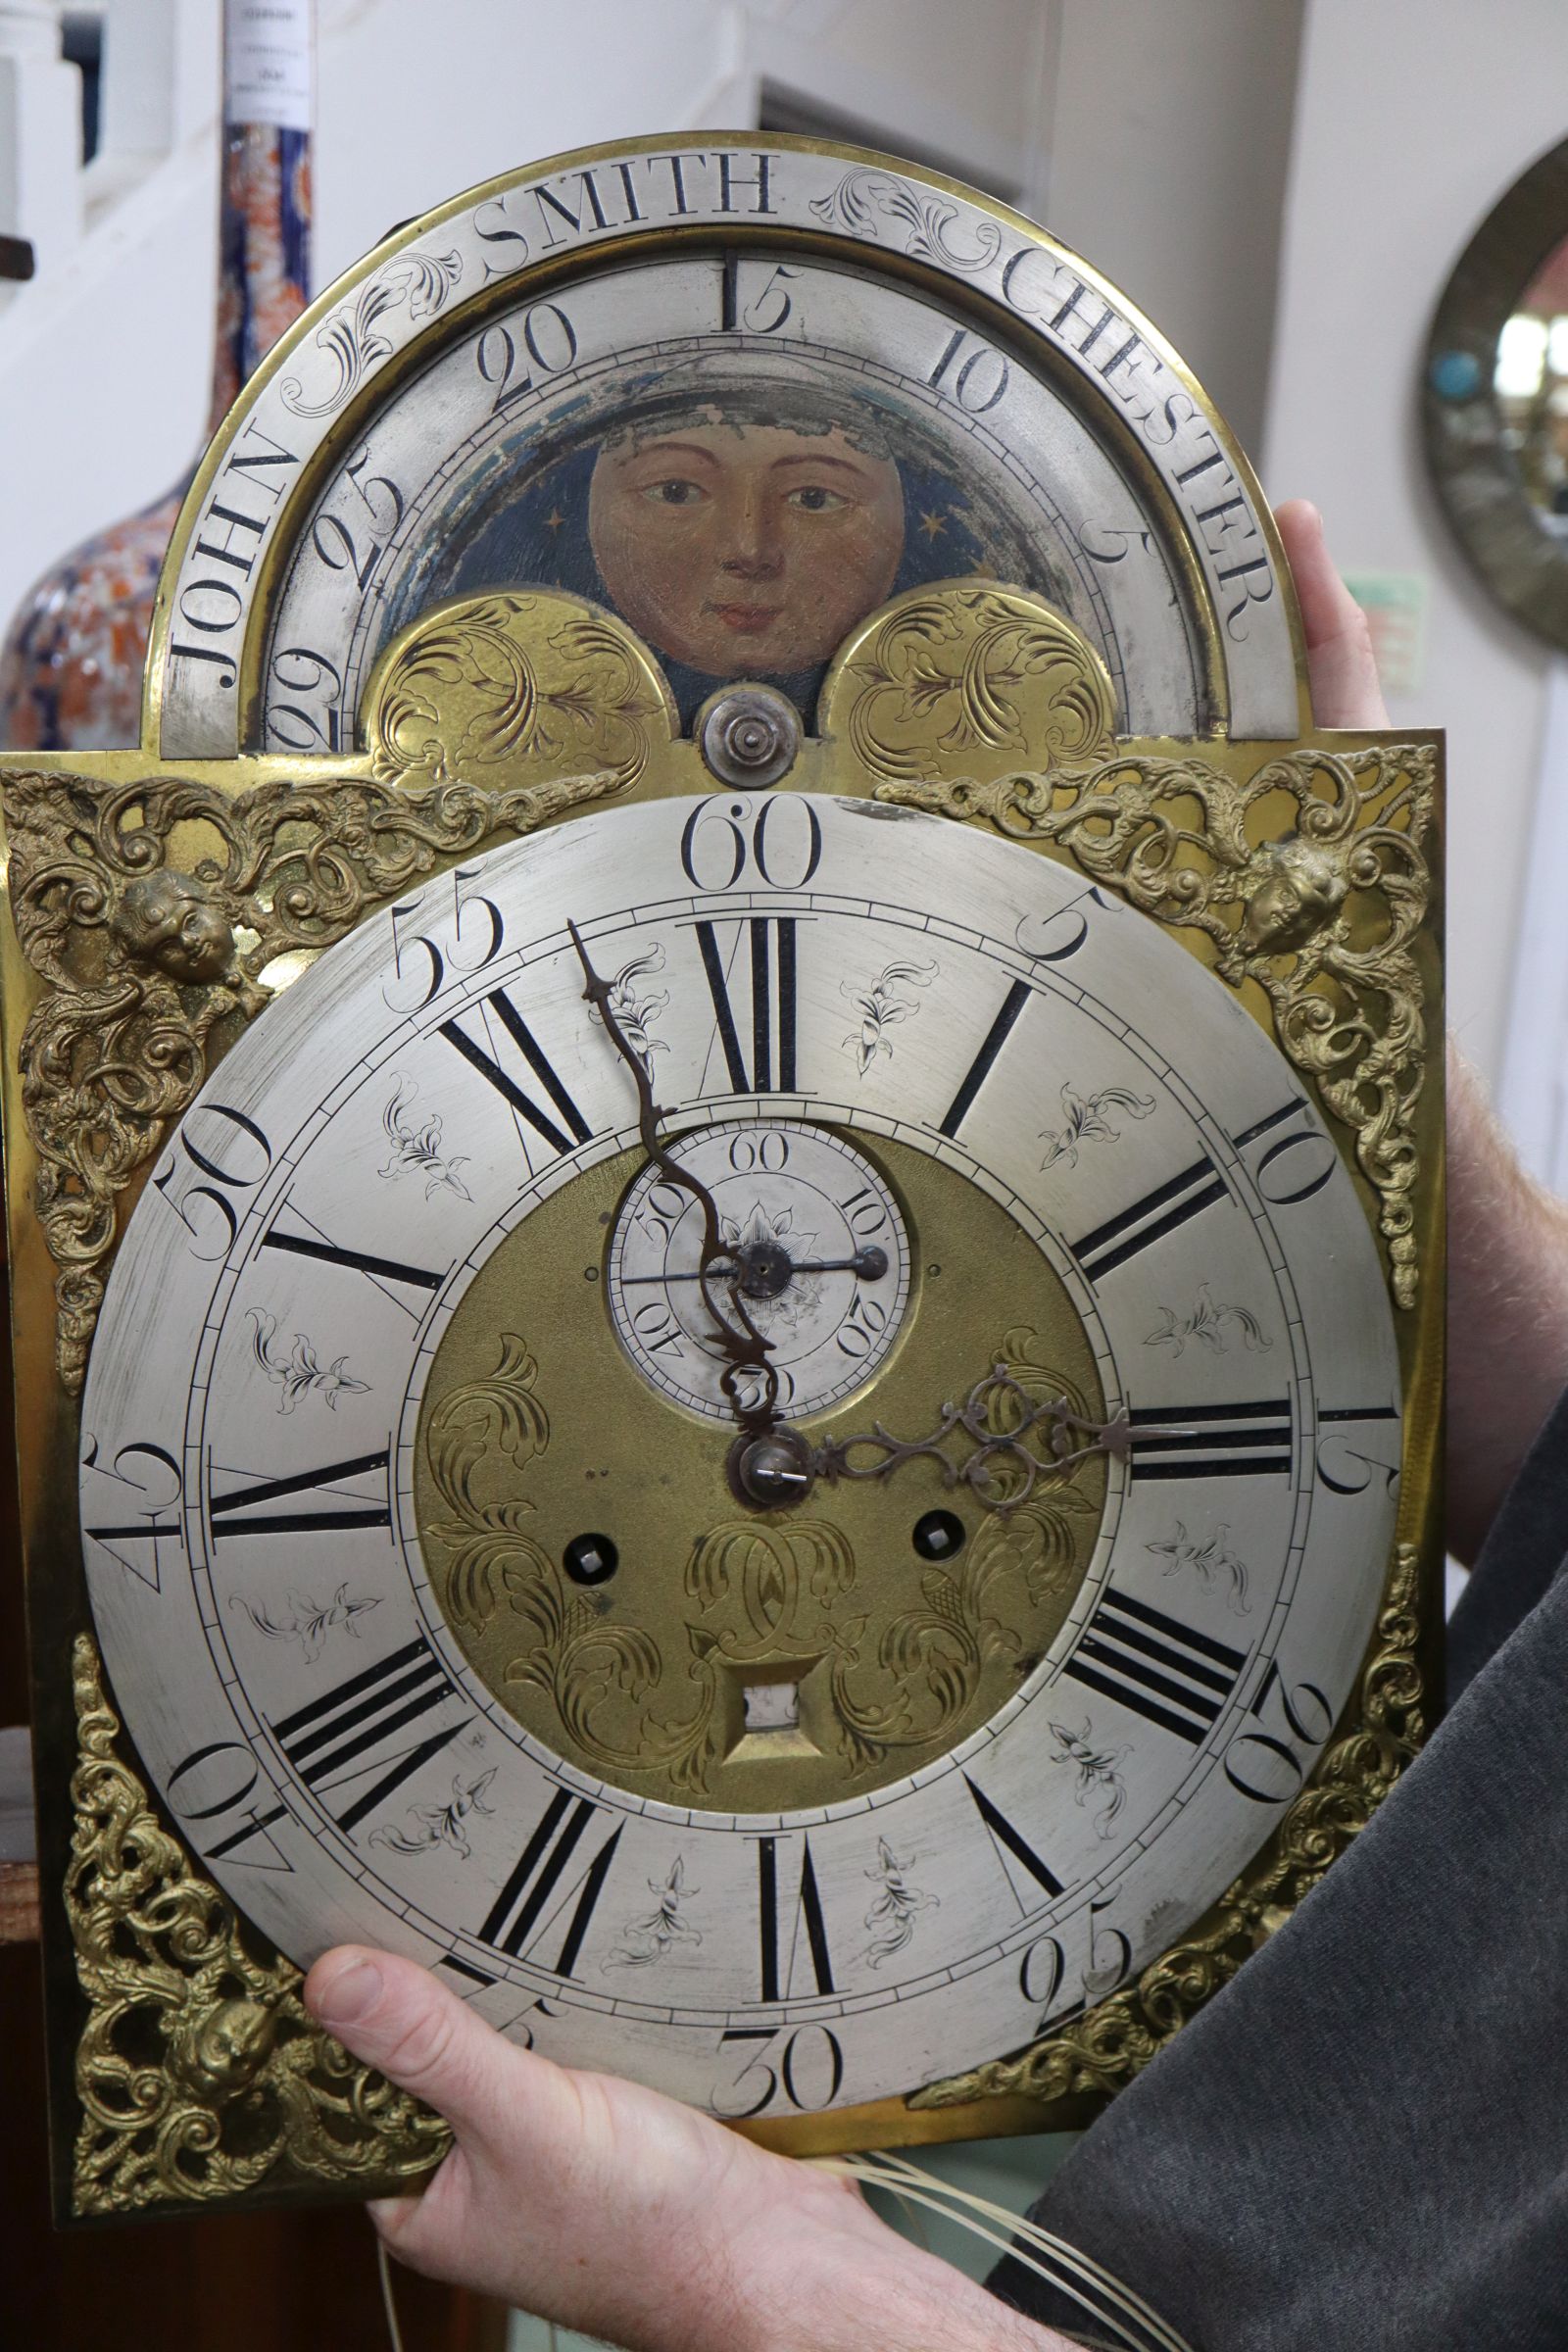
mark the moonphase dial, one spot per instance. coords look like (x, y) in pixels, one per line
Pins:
(818, 1258)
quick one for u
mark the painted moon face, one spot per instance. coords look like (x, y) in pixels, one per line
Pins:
(744, 544)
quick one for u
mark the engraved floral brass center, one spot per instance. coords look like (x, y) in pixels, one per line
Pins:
(733, 1660)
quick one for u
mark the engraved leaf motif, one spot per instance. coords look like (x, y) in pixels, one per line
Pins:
(502, 1412)
(1086, 1118)
(595, 1661)
(882, 1005)
(893, 1914)
(300, 1373)
(1210, 1324)
(832, 1562)
(1096, 1769)
(419, 1148)
(307, 1622)
(863, 197)
(440, 1825)
(355, 341)
(941, 1597)
(497, 1559)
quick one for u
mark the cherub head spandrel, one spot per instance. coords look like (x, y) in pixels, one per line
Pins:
(166, 919)
(1300, 886)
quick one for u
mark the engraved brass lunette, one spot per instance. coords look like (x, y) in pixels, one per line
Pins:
(200, 2073)
(481, 683)
(943, 673)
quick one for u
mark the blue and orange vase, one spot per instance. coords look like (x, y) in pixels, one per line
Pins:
(71, 665)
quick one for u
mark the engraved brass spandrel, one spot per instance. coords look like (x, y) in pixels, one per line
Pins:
(1118, 2036)
(515, 689)
(961, 680)
(200, 2074)
(536, 1426)
(1322, 911)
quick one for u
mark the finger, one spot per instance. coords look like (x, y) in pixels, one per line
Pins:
(1341, 665)
(488, 2216)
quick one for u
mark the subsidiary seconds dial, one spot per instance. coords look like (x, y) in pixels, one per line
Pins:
(818, 1255)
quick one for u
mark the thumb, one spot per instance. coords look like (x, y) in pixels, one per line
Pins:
(517, 2127)
(1346, 688)
(398, 2018)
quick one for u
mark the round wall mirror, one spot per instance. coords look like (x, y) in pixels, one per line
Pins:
(1494, 398)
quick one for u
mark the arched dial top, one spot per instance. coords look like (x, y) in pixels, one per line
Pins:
(738, 392)
(418, 1572)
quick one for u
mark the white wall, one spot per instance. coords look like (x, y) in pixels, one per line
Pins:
(1411, 120)
(1168, 144)
(104, 365)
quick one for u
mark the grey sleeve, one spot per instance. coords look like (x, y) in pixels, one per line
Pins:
(1361, 2142)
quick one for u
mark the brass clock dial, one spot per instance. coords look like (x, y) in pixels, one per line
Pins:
(453, 1633)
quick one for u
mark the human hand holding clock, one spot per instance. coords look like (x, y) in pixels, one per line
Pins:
(605, 2206)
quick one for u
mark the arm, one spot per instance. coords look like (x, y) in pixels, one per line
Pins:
(1507, 1311)
(1508, 1240)
(603, 2207)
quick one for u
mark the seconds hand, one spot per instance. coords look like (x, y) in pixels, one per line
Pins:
(870, 1264)
(740, 1341)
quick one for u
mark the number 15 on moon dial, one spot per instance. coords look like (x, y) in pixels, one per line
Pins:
(422, 1570)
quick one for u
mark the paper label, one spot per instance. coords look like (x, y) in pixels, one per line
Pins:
(268, 61)
(1396, 606)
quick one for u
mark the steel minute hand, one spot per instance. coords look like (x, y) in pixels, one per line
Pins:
(742, 1343)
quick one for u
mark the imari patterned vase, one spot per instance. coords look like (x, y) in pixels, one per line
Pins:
(71, 661)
